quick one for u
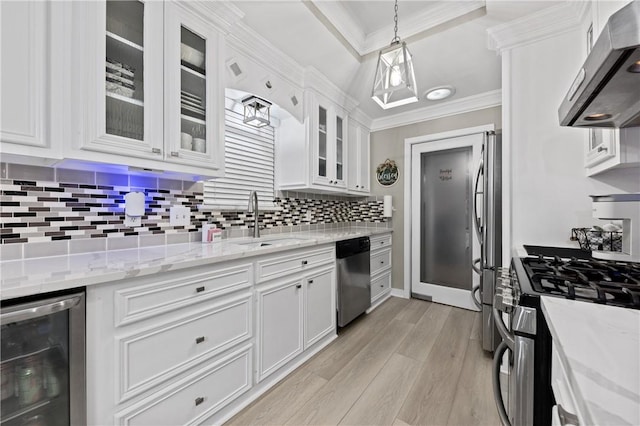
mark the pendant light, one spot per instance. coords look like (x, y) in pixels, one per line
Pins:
(395, 81)
(257, 111)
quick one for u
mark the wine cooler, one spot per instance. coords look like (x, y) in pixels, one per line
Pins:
(43, 361)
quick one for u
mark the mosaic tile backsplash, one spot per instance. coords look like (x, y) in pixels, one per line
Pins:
(44, 204)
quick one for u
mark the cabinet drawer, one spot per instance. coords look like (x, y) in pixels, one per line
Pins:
(380, 261)
(278, 266)
(153, 355)
(196, 397)
(380, 285)
(380, 241)
(157, 295)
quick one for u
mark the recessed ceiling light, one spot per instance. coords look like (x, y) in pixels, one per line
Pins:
(439, 93)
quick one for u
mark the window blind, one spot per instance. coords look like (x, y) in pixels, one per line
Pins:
(249, 160)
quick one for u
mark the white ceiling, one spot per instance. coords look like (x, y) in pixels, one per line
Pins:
(447, 39)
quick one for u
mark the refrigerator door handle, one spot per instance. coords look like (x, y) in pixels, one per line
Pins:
(475, 265)
(476, 219)
(54, 306)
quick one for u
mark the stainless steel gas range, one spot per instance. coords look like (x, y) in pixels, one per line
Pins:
(555, 272)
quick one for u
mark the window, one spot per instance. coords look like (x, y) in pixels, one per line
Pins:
(249, 159)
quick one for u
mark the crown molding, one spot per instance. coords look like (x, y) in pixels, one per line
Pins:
(458, 106)
(366, 43)
(538, 25)
(315, 80)
(361, 117)
(223, 13)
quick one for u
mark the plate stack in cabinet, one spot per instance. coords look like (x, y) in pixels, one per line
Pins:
(169, 349)
(380, 268)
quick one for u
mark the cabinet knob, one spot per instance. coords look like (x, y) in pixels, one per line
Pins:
(199, 340)
(382, 262)
(310, 281)
(381, 285)
(174, 154)
(304, 262)
(602, 148)
(199, 400)
(156, 150)
(299, 286)
(330, 181)
(199, 289)
(335, 183)
(357, 186)
(381, 242)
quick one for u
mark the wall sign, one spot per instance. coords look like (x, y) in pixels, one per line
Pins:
(387, 173)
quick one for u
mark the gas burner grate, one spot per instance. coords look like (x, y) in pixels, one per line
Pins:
(606, 282)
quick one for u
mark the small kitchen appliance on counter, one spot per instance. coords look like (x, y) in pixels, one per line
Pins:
(626, 208)
(525, 333)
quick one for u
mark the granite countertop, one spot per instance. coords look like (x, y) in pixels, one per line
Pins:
(599, 347)
(28, 277)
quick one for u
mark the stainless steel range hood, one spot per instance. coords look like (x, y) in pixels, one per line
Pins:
(606, 91)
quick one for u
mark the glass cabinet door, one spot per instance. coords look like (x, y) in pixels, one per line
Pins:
(124, 69)
(194, 91)
(339, 175)
(322, 142)
(122, 61)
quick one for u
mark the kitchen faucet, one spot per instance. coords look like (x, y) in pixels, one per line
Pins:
(253, 208)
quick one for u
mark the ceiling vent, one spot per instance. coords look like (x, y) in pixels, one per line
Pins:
(235, 69)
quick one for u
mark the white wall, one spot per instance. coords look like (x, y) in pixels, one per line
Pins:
(550, 193)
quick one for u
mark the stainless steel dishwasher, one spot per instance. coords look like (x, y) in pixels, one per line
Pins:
(354, 278)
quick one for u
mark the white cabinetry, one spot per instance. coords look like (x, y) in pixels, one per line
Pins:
(380, 268)
(144, 64)
(158, 345)
(608, 148)
(313, 156)
(279, 325)
(358, 159)
(565, 412)
(24, 38)
(296, 310)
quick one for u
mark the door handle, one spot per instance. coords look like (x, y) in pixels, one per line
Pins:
(476, 192)
(475, 268)
(54, 306)
(507, 337)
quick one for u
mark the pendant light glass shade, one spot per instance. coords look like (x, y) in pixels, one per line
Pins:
(257, 111)
(395, 80)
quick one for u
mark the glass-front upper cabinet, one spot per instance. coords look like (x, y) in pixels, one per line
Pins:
(329, 143)
(124, 71)
(339, 174)
(322, 142)
(192, 85)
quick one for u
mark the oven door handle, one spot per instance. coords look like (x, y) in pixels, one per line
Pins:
(52, 307)
(507, 337)
(497, 389)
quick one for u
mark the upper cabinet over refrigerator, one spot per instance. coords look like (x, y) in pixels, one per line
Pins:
(148, 91)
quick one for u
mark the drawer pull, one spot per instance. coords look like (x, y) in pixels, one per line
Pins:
(156, 151)
(174, 154)
(199, 289)
(199, 400)
(199, 340)
(310, 281)
(304, 262)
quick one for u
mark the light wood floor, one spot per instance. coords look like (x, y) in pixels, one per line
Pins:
(408, 362)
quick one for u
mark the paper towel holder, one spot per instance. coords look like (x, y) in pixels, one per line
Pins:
(387, 206)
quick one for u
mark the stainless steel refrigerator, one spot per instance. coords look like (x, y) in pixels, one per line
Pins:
(488, 225)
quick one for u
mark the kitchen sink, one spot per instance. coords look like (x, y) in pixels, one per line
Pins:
(270, 242)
